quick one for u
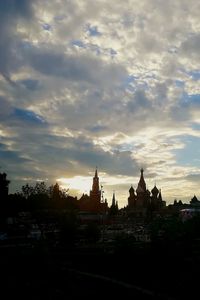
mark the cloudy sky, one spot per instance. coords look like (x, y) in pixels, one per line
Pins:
(102, 83)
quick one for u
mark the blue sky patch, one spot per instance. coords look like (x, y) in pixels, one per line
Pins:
(30, 84)
(28, 116)
(195, 75)
(46, 27)
(190, 154)
(195, 99)
(179, 83)
(93, 30)
(78, 43)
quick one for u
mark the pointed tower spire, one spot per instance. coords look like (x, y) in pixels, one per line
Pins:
(160, 195)
(95, 185)
(113, 199)
(141, 184)
(96, 173)
(95, 193)
(116, 205)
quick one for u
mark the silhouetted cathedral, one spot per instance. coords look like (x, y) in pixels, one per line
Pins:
(143, 200)
(93, 202)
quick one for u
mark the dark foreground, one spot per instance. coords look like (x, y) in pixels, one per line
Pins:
(43, 273)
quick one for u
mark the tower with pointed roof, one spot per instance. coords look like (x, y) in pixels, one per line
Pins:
(143, 201)
(132, 198)
(95, 193)
(93, 203)
(142, 194)
(141, 188)
(114, 206)
(113, 199)
(154, 198)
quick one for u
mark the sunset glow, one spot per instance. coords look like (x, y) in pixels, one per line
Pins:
(101, 83)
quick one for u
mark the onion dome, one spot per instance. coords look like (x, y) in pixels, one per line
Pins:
(155, 190)
(148, 192)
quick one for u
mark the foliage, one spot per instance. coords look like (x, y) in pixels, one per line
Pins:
(42, 197)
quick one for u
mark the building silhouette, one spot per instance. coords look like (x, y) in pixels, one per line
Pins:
(142, 201)
(114, 206)
(94, 202)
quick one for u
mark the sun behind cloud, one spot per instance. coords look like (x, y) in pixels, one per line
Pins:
(85, 83)
(80, 183)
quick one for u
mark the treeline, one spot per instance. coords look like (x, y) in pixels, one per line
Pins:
(39, 197)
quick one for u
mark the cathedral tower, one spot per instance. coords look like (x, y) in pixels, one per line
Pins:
(142, 193)
(95, 193)
(141, 184)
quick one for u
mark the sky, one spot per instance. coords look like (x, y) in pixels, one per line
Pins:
(111, 84)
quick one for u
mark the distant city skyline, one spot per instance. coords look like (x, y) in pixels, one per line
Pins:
(79, 185)
(95, 83)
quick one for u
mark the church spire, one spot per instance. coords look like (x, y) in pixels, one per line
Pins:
(96, 173)
(160, 195)
(113, 199)
(95, 185)
(141, 184)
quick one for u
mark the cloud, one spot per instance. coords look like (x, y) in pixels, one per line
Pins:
(190, 46)
(88, 83)
(6, 108)
(11, 12)
(74, 67)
